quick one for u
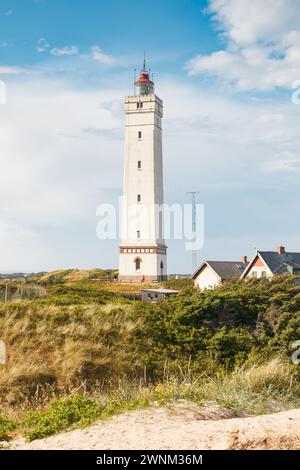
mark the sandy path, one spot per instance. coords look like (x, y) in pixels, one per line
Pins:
(182, 426)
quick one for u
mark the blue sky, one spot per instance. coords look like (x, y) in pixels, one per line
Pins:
(167, 28)
(225, 70)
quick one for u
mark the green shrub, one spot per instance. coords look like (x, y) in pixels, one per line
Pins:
(60, 415)
(81, 332)
(6, 427)
(179, 284)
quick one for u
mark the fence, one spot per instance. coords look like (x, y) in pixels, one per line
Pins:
(14, 291)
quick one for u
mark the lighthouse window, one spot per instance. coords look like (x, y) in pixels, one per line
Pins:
(139, 198)
(140, 105)
(139, 165)
(140, 135)
(138, 264)
(138, 234)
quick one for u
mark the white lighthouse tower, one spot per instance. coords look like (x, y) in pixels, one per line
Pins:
(143, 253)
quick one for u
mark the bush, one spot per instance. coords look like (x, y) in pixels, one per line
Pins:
(61, 414)
(253, 389)
(83, 333)
(179, 284)
(6, 427)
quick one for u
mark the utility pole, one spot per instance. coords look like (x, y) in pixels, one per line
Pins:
(194, 226)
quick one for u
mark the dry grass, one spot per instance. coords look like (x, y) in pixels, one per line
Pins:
(82, 338)
(97, 278)
(61, 346)
(54, 349)
(257, 390)
(268, 442)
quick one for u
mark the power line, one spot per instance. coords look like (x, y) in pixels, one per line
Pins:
(194, 226)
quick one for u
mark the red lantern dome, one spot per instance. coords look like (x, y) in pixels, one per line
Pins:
(144, 86)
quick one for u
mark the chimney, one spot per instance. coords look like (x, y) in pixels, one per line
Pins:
(281, 250)
(245, 259)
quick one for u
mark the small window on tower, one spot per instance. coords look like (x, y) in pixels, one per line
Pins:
(139, 198)
(138, 234)
(138, 264)
(139, 165)
(140, 135)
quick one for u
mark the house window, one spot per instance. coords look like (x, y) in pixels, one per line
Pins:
(254, 274)
(140, 135)
(137, 262)
(139, 165)
(138, 234)
(139, 198)
(263, 274)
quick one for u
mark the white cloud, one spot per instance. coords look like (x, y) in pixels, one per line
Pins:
(99, 56)
(8, 13)
(51, 184)
(263, 44)
(284, 162)
(64, 51)
(42, 45)
(245, 22)
(8, 70)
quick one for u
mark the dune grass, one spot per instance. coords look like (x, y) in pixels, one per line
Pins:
(83, 353)
(252, 390)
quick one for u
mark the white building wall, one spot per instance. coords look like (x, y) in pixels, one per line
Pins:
(207, 279)
(150, 265)
(261, 271)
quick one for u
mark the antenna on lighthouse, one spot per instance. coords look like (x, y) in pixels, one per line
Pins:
(194, 226)
(134, 80)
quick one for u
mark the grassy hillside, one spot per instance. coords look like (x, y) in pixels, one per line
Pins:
(231, 345)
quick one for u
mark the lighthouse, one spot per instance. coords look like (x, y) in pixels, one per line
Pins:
(143, 253)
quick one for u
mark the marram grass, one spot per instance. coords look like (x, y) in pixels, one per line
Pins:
(254, 390)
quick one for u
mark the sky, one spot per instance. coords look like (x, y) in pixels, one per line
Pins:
(228, 72)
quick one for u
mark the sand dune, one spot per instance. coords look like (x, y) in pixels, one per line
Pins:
(180, 426)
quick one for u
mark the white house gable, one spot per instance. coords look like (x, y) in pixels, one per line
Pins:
(257, 268)
(207, 278)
